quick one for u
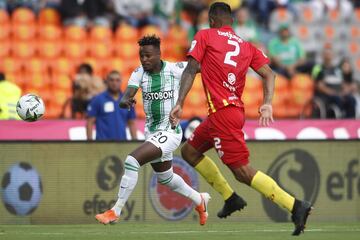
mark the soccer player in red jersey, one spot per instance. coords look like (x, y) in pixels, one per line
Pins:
(224, 59)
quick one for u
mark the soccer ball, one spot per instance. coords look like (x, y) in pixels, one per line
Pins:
(30, 107)
(21, 189)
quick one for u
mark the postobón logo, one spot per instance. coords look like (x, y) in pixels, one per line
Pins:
(168, 204)
(297, 172)
(109, 173)
(21, 189)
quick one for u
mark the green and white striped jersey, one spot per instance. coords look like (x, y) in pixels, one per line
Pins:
(160, 92)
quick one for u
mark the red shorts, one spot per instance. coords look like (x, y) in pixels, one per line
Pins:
(223, 130)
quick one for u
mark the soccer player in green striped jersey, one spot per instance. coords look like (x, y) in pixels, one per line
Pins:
(160, 83)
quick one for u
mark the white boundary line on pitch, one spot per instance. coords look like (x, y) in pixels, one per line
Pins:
(208, 231)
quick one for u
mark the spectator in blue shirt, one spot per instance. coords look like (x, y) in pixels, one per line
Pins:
(104, 111)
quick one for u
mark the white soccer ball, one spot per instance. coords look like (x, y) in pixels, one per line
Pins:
(30, 107)
(21, 189)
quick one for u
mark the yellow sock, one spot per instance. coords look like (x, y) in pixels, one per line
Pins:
(208, 169)
(267, 186)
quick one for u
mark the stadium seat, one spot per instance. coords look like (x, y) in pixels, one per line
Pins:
(5, 46)
(75, 50)
(329, 33)
(281, 96)
(280, 16)
(334, 16)
(95, 63)
(101, 50)
(23, 49)
(10, 65)
(59, 97)
(302, 92)
(151, 30)
(23, 16)
(307, 15)
(62, 82)
(62, 66)
(114, 63)
(24, 32)
(139, 107)
(126, 50)
(353, 48)
(101, 34)
(177, 34)
(36, 65)
(49, 16)
(4, 17)
(50, 33)
(38, 80)
(74, 33)
(5, 32)
(126, 33)
(49, 50)
(355, 18)
(17, 78)
(354, 32)
(357, 65)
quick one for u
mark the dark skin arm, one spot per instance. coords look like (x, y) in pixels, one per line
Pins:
(187, 80)
(268, 77)
(127, 100)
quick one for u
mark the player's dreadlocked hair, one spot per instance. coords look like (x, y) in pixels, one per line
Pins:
(150, 40)
(219, 8)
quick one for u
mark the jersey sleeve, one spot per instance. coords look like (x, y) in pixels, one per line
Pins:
(135, 78)
(92, 109)
(179, 68)
(258, 59)
(198, 45)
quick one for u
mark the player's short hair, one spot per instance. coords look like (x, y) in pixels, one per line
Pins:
(219, 9)
(150, 40)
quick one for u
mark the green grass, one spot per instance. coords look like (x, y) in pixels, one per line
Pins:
(179, 230)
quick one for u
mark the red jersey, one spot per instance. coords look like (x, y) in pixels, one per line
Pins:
(225, 59)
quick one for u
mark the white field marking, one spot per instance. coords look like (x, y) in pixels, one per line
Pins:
(209, 231)
(242, 231)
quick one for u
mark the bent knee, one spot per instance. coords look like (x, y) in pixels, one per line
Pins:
(190, 154)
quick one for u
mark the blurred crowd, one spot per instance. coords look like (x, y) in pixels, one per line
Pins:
(278, 27)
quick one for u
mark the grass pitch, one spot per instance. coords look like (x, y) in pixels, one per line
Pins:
(179, 230)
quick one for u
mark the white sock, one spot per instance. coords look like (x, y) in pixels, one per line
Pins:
(177, 184)
(127, 183)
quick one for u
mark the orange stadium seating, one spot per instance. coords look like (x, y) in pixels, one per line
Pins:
(24, 32)
(23, 16)
(36, 65)
(101, 34)
(49, 50)
(4, 17)
(75, 34)
(5, 31)
(126, 33)
(23, 49)
(62, 66)
(5, 47)
(49, 16)
(40, 55)
(50, 33)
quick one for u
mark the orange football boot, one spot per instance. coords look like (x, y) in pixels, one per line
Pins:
(107, 217)
(202, 209)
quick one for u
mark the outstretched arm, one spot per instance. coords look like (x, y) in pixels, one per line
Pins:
(127, 100)
(266, 113)
(186, 83)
